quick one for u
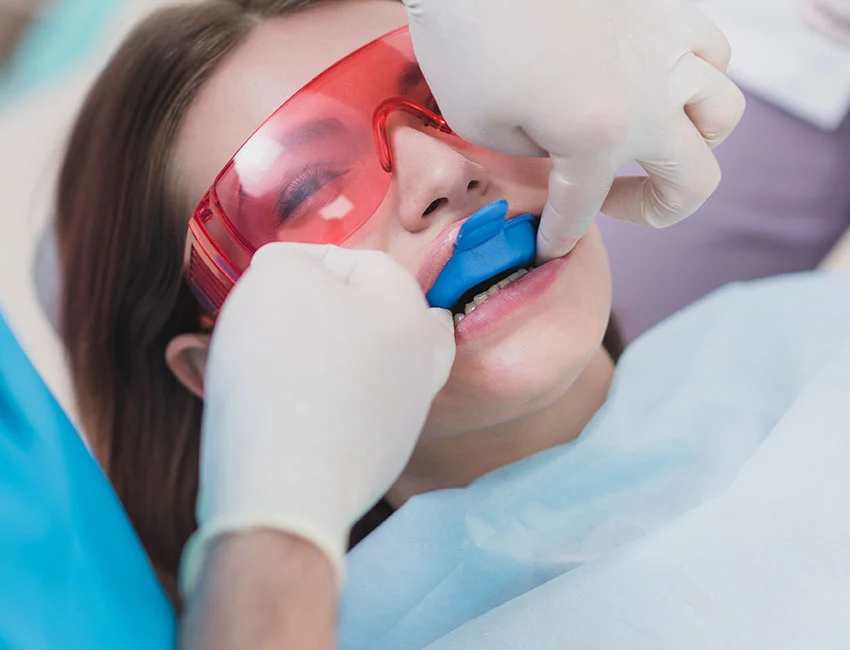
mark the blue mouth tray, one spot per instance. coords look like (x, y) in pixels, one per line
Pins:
(486, 246)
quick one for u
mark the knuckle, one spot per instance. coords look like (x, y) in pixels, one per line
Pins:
(661, 207)
(724, 49)
(738, 105)
(725, 118)
(709, 181)
(699, 187)
(666, 206)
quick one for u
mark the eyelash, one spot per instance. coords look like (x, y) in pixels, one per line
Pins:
(313, 178)
(301, 187)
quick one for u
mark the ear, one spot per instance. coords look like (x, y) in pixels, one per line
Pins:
(186, 356)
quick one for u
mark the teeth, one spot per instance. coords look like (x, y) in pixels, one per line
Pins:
(492, 291)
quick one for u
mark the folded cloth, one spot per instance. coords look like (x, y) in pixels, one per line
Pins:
(692, 403)
(764, 566)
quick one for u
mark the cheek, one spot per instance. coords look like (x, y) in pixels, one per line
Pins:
(384, 232)
(538, 359)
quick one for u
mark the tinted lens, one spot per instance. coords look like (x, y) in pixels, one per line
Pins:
(311, 173)
(314, 172)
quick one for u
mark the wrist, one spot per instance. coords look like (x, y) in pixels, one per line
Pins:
(296, 556)
(263, 589)
(258, 526)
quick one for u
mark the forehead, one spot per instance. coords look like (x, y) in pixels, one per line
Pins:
(272, 63)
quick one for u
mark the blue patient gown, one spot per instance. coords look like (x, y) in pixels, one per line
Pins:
(73, 575)
(684, 516)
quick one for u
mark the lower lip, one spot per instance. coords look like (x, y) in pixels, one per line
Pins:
(492, 313)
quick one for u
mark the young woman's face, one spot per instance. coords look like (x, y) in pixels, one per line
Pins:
(515, 354)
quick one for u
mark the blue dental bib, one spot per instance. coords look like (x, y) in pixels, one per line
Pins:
(486, 246)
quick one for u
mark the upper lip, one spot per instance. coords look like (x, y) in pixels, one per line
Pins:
(441, 250)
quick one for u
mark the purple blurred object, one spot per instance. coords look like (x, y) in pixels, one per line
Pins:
(783, 203)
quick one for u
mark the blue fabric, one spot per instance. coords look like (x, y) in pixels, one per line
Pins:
(762, 566)
(57, 41)
(692, 402)
(73, 574)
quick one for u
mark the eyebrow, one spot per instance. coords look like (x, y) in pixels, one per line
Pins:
(306, 133)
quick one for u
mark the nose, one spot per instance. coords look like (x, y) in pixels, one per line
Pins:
(436, 181)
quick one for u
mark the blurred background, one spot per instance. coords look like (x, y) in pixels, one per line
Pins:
(784, 204)
(50, 53)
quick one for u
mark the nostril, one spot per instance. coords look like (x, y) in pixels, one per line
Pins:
(434, 205)
(472, 185)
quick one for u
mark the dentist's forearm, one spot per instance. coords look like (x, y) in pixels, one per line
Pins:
(264, 591)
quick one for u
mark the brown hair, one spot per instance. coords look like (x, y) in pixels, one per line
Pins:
(122, 304)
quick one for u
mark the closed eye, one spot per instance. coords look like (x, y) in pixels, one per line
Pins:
(302, 187)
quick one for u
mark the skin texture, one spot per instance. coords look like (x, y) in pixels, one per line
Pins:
(263, 590)
(532, 380)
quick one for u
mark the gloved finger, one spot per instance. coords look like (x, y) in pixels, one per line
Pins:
(577, 189)
(347, 263)
(444, 345)
(443, 318)
(709, 43)
(367, 269)
(281, 256)
(375, 272)
(711, 100)
(681, 176)
(271, 272)
(339, 261)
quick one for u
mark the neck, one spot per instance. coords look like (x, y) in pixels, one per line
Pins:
(457, 461)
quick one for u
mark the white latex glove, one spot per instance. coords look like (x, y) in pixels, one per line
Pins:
(322, 369)
(832, 17)
(594, 84)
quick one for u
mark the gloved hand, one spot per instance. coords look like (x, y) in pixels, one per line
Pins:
(832, 17)
(594, 84)
(322, 369)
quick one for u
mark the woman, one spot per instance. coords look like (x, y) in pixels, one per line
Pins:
(185, 91)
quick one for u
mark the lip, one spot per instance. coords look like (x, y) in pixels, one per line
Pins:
(492, 314)
(440, 252)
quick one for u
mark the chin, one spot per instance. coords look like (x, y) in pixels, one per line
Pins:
(536, 353)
